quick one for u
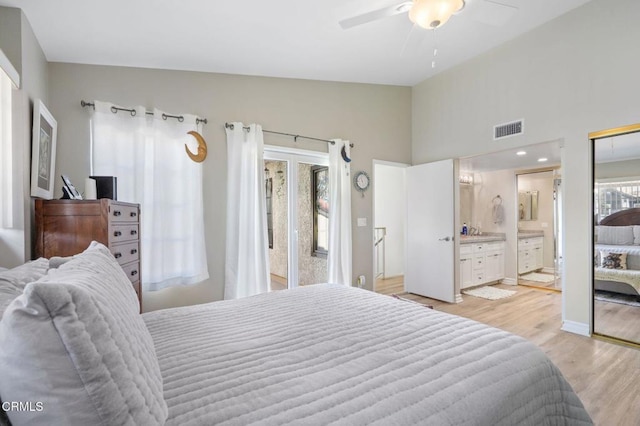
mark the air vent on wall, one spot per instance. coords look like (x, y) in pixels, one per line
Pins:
(508, 129)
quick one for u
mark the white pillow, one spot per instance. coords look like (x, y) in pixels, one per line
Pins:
(75, 342)
(636, 234)
(12, 281)
(618, 235)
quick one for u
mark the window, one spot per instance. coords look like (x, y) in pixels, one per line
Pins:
(612, 197)
(7, 184)
(320, 200)
(146, 153)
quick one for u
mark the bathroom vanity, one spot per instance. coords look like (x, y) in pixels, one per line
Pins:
(530, 251)
(481, 259)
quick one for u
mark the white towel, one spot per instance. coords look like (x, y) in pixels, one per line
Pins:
(498, 213)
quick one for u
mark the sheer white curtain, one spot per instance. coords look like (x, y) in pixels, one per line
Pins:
(339, 256)
(247, 256)
(146, 153)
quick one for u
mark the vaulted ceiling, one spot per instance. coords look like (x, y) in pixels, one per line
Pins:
(278, 38)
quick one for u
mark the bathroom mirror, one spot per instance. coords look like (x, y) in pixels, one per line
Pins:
(616, 234)
(528, 205)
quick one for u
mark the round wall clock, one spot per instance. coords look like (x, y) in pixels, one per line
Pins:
(361, 181)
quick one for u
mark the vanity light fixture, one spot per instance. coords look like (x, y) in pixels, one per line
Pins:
(542, 159)
(466, 179)
(521, 153)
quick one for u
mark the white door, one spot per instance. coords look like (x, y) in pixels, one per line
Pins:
(430, 230)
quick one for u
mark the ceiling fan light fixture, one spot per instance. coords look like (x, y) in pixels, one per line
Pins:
(432, 14)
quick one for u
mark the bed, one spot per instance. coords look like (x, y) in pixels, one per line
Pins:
(618, 237)
(322, 354)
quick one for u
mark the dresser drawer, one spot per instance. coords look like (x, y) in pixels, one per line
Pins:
(132, 270)
(123, 213)
(125, 253)
(124, 232)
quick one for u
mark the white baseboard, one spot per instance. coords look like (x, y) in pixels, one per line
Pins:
(576, 328)
(509, 281)
(458, 298)
(548, 270)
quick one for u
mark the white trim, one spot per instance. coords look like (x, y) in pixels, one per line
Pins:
(576, 328)
(509, 281)
(459, 298)
(8, 68)
(297, 151)
(548, 270)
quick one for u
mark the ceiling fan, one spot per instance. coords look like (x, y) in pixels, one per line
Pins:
(432, 14)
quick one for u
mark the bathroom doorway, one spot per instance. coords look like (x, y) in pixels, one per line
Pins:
(539, 209)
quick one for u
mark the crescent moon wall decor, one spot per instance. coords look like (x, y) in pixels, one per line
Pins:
(344, 154)
(202, 148)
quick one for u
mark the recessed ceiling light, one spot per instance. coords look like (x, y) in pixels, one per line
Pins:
(521, 153)
(542, 159)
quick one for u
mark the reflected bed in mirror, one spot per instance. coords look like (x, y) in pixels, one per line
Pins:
(616, 234)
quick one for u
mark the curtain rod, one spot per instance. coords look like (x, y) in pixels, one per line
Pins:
(295, 137)
(115, 109)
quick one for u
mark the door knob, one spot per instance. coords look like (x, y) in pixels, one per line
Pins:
(444, 239)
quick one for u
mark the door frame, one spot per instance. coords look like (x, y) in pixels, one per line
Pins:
(293, 156)
(374, 179)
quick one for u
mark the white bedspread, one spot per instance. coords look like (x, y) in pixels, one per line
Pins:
(336, 355)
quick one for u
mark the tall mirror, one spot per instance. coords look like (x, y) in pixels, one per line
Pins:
(616, 233)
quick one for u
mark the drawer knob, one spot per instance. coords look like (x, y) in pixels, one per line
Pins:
(117, 255)
(117, 233)
(134, 273)
(134, 251)
(134, 232)
(117, 212)
(133, 214)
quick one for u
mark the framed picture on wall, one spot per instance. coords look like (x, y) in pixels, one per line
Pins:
(43, 151)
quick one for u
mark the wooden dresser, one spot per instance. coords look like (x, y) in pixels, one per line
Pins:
(67, 227)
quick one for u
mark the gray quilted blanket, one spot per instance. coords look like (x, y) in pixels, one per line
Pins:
(329, 354)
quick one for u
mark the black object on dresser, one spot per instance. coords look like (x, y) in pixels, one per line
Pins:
(67, 227)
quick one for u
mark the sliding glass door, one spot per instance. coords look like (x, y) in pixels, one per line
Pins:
(297, 216)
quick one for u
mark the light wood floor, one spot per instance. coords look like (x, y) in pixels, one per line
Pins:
(616, 319)
(605, 376)
(556, 284)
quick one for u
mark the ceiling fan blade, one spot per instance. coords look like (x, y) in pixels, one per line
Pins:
(375, 15)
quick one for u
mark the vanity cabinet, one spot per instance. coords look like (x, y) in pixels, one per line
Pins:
(481, 263)
(530, 254)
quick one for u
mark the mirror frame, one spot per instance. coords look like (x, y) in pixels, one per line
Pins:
(593, 137)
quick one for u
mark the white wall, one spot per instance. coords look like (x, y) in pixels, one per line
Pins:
(390, 212)
(377, 119)
(571, 76)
